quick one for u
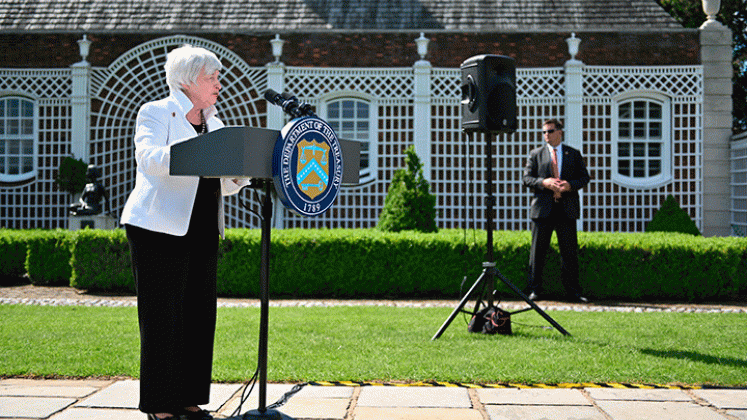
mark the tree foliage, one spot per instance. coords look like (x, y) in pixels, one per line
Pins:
(409, 205)
(71, 175)
(733, 14)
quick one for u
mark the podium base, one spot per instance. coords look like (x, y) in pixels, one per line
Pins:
(267, 415)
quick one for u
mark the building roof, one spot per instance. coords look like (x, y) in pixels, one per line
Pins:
(282, 16)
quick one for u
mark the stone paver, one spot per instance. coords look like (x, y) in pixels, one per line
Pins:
(316, 408)
(651, 410)
(540, 412)
(638, 394)
(98, 413)
(33, 407)
(122, 394)
(392, 396)
(724, 398)
(407, 413)
(568, 397)
(274, 392)
(117, 400)
(30, 388)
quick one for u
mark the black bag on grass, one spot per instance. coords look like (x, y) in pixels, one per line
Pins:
(491, 320)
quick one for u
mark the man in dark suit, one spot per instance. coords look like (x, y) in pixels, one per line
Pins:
(555, 173)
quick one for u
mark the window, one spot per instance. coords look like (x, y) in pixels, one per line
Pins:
(351, 120)
(641, 133)
(17, 135)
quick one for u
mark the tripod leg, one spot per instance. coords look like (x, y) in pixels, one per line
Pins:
(488, 287)
(531, 303)
(463, 302)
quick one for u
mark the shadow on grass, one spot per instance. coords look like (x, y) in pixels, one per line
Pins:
(696, 357)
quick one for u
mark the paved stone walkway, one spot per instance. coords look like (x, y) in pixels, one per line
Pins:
(117, 400)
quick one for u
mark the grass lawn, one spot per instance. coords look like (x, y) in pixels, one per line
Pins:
(394, 344)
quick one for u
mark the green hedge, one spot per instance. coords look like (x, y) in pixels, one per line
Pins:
(48, 254)
(368, 263)
(12, 255)
(101, 261)
(668, 266)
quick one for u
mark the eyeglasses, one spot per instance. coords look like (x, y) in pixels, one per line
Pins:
(549, 131)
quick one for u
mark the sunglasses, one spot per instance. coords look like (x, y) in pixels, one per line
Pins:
(549, 131)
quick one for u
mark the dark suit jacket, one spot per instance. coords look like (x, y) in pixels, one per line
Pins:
(538, 167)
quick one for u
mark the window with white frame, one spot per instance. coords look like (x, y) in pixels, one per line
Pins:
(351, 120)
(17, 138)
(641, 130)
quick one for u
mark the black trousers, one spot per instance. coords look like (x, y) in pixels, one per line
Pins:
(176, 293)
(175, 278)
(565, 228)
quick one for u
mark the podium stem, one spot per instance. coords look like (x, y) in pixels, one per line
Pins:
(264, 295)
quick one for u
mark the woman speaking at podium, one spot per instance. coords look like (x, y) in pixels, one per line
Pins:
(173, 224)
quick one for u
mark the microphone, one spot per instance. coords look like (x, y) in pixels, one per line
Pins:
(304, 109)
(273, 97)
(289, 103)
(288, 97)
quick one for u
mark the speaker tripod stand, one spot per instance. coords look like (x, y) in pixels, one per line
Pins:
(486, 281)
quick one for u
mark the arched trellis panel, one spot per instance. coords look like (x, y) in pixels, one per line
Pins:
(137, 77)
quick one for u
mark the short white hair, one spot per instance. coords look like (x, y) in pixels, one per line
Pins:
(184, 64)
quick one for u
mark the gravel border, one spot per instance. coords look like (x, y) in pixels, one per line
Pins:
(67, 296)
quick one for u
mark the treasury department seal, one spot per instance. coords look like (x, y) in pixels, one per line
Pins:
(307, 166)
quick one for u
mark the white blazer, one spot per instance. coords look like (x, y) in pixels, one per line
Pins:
(161, 202)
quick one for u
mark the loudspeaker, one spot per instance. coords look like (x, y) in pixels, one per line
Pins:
(489, 94)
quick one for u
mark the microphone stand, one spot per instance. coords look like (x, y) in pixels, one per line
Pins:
(291, 106)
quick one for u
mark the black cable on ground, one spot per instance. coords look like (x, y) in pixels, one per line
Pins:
(245, 395)
(279, 403)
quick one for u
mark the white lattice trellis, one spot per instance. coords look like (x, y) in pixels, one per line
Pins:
(739, 186)
(615, 208)
(360, 206)
(312, 83)
(40, 83)
(37, 202)
(456, 160)
(676, 81)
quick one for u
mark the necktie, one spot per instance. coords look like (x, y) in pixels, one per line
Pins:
(555, 171)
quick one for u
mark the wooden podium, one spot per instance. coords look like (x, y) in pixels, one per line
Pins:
(247, 152)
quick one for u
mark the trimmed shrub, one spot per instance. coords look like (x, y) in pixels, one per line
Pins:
(409, 205)
(671, 218)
